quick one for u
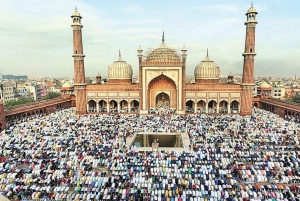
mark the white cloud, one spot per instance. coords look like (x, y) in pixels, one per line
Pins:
(137, 31)
(134, 9)
(223, 7)
(149, 36)
(36, 36)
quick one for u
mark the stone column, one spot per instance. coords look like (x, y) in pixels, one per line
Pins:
(206, 107)
(218, 107)
(228, 108)
(98, 107)
(129, 106)
(107, 107)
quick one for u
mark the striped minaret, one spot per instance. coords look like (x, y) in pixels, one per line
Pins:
(248, 67)
(79, 74)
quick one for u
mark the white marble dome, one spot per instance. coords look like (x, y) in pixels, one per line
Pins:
(264, 84)
(120, 70)
(163, 53)
(207, 69)
(67, 85)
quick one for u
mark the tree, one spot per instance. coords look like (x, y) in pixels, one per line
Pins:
(51, 95)
(19, 101)
(296, 98)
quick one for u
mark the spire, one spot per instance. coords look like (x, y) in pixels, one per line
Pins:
(120, 58)
(207, 58)
(163, 37)
(76, 8)
(252, 4)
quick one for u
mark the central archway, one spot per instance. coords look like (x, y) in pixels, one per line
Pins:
(162, 99)
(162, 89)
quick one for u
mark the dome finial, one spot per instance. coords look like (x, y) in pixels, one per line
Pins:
(252, 4)
(207, 52)
(76, 8)
(120, 58)
(163, 37)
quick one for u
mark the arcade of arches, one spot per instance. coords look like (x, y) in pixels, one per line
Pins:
(285, 111)
(113, 105)
(212, 106)
(35, 109)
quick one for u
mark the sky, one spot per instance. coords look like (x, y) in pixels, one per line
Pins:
(36, 36)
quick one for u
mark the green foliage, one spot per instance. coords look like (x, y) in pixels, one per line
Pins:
(51, 95)
(296, 98)
(20, 101)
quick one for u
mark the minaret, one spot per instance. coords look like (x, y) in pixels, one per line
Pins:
(183, 55)
(79, 74)
(140, 57)
(248, 67)
(2, 116)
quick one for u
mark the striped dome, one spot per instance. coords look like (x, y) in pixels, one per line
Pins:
(207, 69)
(120, 70)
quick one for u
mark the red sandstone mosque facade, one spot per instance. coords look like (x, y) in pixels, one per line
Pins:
(161, 80)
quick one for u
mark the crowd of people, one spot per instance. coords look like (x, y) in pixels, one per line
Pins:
(162, 109)
(64, 156)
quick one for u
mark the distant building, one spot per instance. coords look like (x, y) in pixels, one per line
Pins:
(53, 86)
(43, 91)
(14, 77)
(278, 92)
(22, 92)
(7, 91)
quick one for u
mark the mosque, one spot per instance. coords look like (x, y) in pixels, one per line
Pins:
(161, 80)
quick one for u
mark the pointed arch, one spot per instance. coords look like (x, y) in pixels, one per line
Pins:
(102, 105)
(234, 106)
(92, 106)
(162, 84)
(212, 106)
(134, 105)
(124, 106)
(113, 106)
(190, 106)
(223, 106)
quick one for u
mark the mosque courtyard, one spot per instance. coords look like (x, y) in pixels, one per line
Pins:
(64, 156)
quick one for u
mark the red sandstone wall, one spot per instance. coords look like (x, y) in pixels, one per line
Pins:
(120, 81)
(200, 81)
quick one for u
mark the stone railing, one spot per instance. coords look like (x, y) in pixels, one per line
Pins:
(212, 86)
(114, 86)
(162, 63)
(282, 102)
(34, 103)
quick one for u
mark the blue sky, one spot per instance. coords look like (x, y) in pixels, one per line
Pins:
(36, 36)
